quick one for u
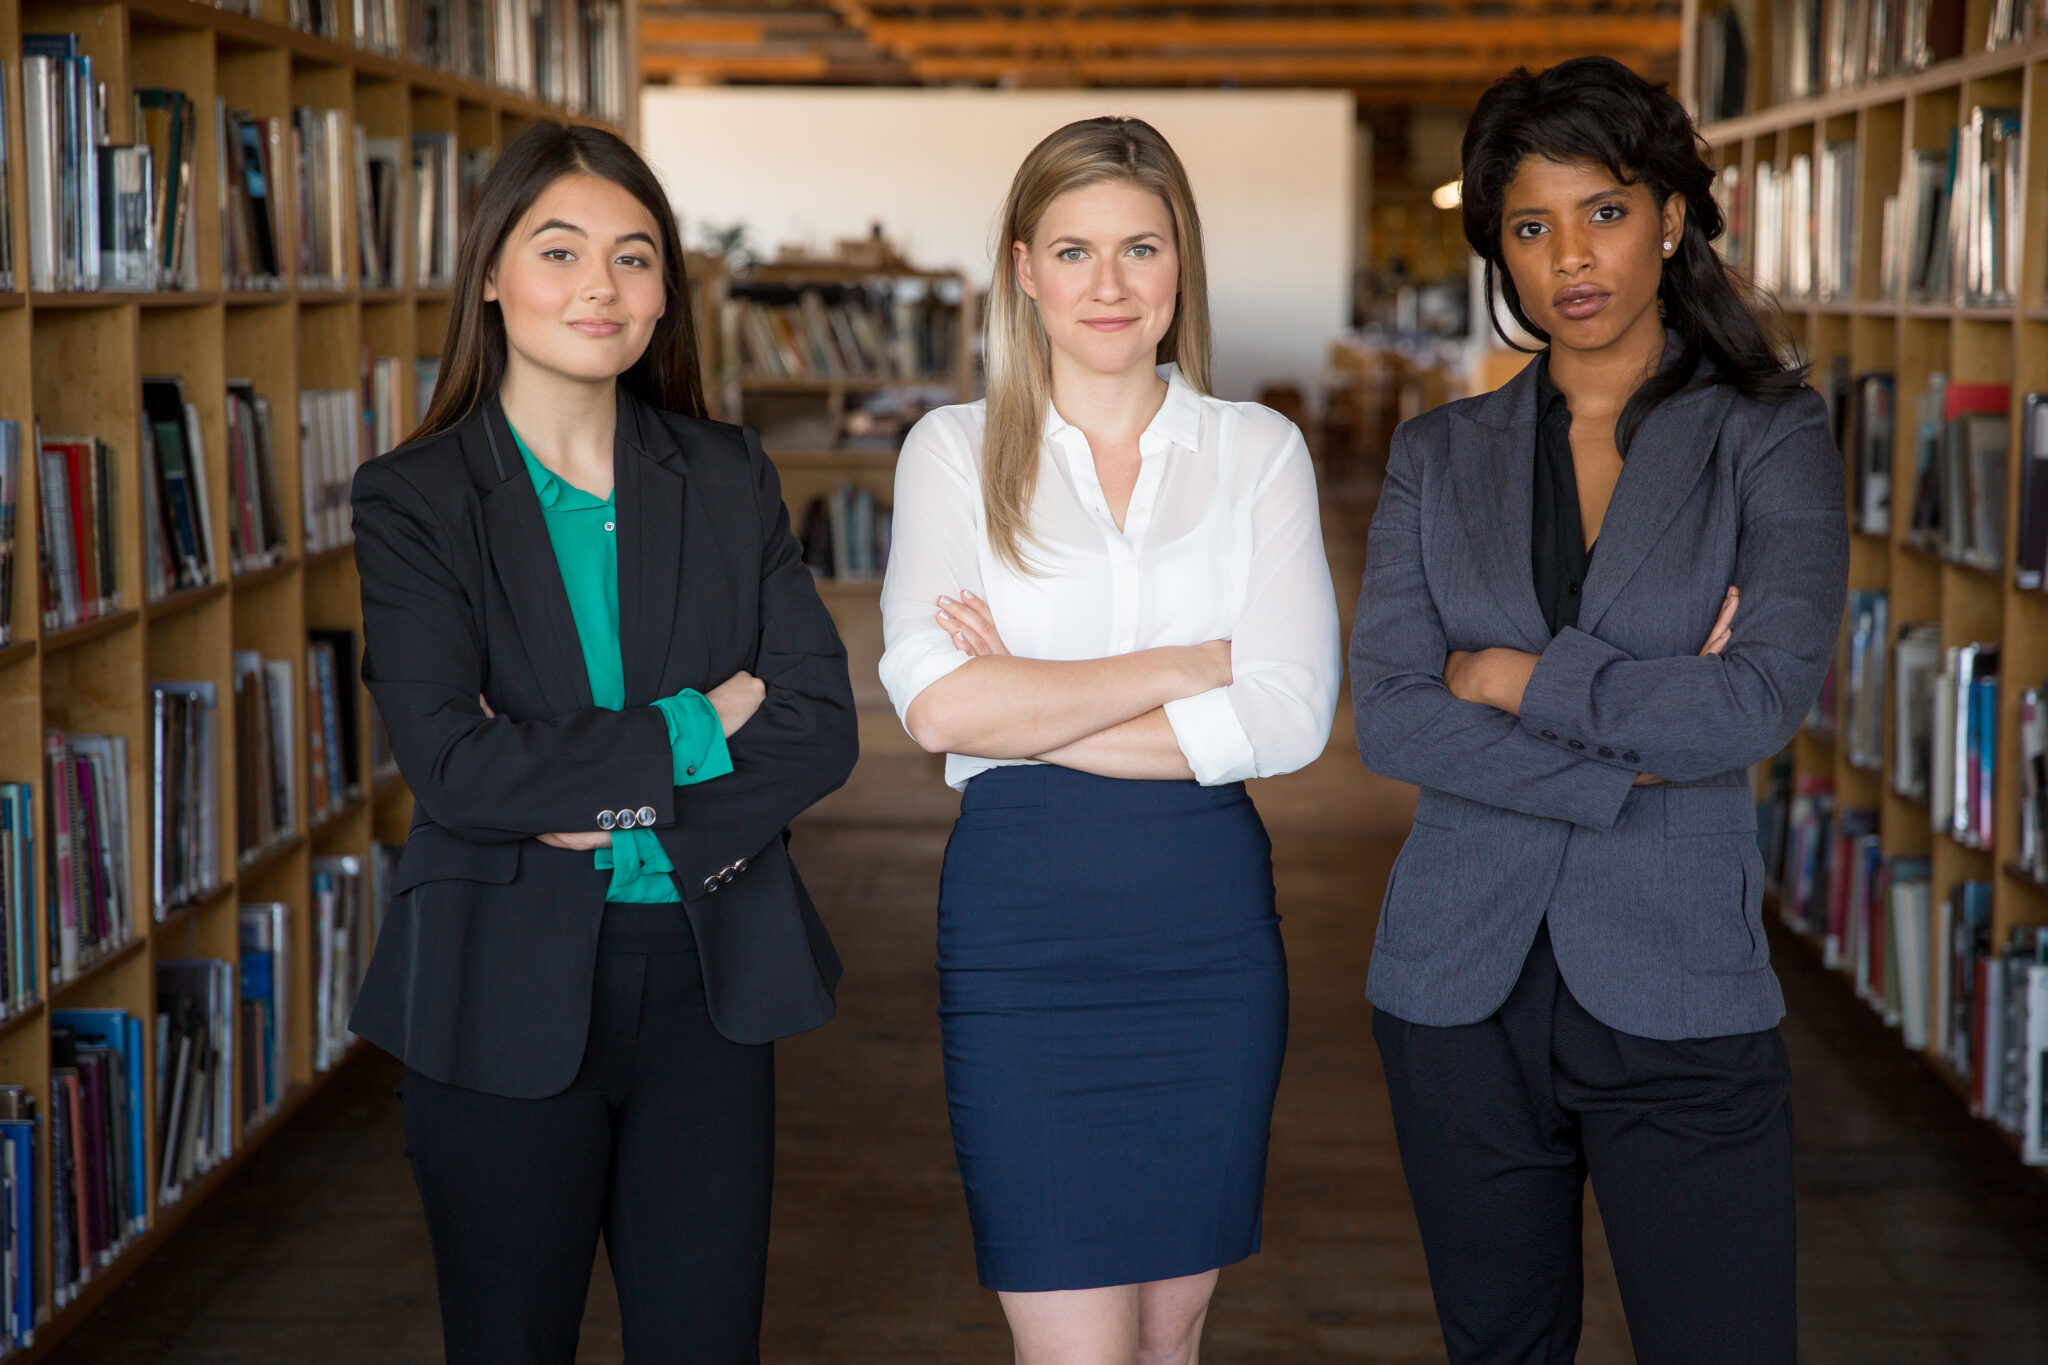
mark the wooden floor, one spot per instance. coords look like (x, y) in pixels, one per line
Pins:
(1921, 1238)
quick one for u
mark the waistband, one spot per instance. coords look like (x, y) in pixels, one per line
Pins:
(1069, 791)
(636, 928)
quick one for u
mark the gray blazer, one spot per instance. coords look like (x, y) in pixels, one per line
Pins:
(1653, 894)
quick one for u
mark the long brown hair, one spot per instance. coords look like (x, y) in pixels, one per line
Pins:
(1092, 152)
(473, 353)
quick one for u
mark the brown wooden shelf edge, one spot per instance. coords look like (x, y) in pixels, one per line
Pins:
(105, 963)
(88, 631)
(21, 1017)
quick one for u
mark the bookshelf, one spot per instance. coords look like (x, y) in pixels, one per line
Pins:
(833, 423)
(74, 363)
(1880, 323)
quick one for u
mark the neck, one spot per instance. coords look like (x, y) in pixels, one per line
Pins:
(1603, 380)
(1110, 407)
(567, 423)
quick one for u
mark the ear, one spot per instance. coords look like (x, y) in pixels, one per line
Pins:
(1020, 260)
(1674, 222)
(491, 285)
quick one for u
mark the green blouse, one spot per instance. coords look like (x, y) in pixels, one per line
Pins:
(582, 528)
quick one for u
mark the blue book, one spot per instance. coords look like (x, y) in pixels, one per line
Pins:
(122, 1032)
(20, 1134)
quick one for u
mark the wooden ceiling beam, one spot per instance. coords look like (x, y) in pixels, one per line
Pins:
(1579, 33)
(1264, 68)
(792, 67)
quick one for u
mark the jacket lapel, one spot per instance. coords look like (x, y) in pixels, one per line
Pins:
(648, 468)
(524, 560)
(1493, 462)
(1663, 467)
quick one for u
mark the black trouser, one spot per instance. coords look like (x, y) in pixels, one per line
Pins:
(1690, 1148)
(664, 1142)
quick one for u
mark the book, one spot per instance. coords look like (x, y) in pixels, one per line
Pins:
(1864, 702)
(380, 176)
(256, 529)
(2031, 855)
(10, 521)
(7, 284)
(266, 771)
(265, 1007)
(1723, 66)
(23, 1201)
(184, 793)
(168, 122)
(901, 330)
(127, 225)
(1867, 447)
(1834, 265)
(63, 122)
(196, 1004)
(1924, 217)
(1985, 219)
(323, 157)
(251, 207)
(78, 558)
(19, 904)
(340, 940)
(332, 665)
(87, 828)
(175, 468)
(436, 207)
(2031, 547)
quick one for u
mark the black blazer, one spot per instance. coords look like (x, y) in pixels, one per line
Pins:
(482, 970)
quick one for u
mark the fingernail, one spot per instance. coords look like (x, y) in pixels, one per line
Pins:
(944, 617)
(969, 596)
(945, 601)
(960, 637)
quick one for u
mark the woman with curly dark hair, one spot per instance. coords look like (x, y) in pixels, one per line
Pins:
(1571, 977)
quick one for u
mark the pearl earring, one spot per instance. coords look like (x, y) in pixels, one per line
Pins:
(1667, 247)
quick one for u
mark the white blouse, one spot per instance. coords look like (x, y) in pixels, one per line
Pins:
(1222, 540)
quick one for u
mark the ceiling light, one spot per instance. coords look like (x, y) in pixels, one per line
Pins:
(1446, 195)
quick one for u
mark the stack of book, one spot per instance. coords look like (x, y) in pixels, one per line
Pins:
(2031, 550)
(99, 1195)
(167, 123)
(1959, 494)
(177, 514)
(2032, 854)
(381, 173)
(196, 1003)
(2014, 21)
(436, 208)
(266, 769)
(1916, 243)
(252, 228)
(266, 972)
(1965, 744)
(2010, 1040)
(22, 1199)
(333, 776)
(256, 534)
(184, 793)
(383, 414)
(331, 442)
(569, 52)
(63, 122)
(17, 898)
(846, 536)
(10, 503)
(1800, 878)
(1863, 729)
(86, 779)
(1916, 665)
(341, 934)
(1987, 206)
(1962, 926)
(320, 139)
(1867, 449)
(369, 24)
(1834, 252)
(1723, 77)
(80, 554)
(862, 333)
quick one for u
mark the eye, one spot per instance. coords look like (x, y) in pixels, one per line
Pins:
(631, 259)
(1144, 249)
(558, 253)
(1527, 231)
(1072, 253)
(1615, 211)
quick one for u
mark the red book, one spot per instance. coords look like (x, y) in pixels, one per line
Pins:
(83, 540)
(1976, 398)
(74, 1099)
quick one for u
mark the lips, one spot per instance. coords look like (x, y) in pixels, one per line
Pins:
(598, 327)
(1108, 324)
(1580, 301)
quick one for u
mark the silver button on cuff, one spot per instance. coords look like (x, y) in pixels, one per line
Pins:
(740, 866)
(645, 815)
(712, 883)
(607, 819)
(726, 875)
(626, 820)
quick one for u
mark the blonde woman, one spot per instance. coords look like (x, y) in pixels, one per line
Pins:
(1107, 605)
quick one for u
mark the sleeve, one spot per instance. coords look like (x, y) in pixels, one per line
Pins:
(801, 744)
(696, 737)
(482, 778)
(1693, 717)
(1285, 649)
(933, 548)
(1410, 727)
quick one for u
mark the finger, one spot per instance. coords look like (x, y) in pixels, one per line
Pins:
(486, 705)
(966, 615)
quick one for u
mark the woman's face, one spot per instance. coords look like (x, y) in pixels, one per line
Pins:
(1105, 272)
(1586, 252)
(579, 280)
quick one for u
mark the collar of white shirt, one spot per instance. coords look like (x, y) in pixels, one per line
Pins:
(1177, 423)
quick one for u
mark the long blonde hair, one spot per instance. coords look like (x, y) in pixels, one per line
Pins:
(1092, 152)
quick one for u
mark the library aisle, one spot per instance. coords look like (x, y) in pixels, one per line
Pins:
(1922, 1240)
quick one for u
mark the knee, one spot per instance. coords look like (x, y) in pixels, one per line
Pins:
(1171, 1346)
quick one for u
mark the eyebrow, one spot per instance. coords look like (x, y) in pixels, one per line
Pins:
(568, 226)
(1614, 192)
(1083, 241)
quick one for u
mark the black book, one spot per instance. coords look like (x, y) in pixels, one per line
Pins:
(346, 688)
(2031, 556)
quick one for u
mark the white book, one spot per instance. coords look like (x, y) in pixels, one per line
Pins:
(2034, 1115)
(1942, 912)
(1942, 781)
(195, 455)
(1909, 907)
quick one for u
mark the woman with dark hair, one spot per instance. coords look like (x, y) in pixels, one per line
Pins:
(611, 685)
(1570, 975)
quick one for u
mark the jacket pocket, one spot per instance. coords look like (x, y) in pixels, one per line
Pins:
(1694, 811)
(432, 854)
(1421, 898)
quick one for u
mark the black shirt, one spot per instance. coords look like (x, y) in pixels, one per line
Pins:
(1558, 537)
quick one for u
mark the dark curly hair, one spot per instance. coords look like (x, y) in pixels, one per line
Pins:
(1595, 110)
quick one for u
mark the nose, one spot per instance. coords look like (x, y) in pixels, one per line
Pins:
(1109, 279)
(598, 284)
(1572, 250)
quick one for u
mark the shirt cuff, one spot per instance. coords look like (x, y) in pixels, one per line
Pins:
(912, 671)
(1212, 738)
(696, 737)
(633, 852)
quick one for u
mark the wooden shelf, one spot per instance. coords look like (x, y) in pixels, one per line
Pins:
(74, 362)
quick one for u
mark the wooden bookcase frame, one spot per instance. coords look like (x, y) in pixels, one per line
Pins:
(74, 362)
(1912, 339)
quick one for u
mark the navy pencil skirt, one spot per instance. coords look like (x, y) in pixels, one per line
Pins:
(1113, 999)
